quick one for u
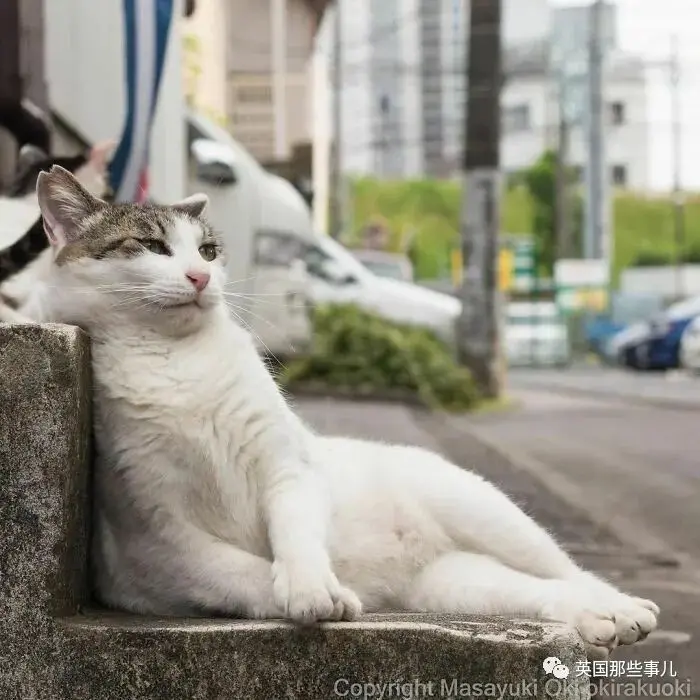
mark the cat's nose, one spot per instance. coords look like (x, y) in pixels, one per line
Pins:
(199, 279)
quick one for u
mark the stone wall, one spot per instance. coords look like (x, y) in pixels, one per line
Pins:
(55, 644)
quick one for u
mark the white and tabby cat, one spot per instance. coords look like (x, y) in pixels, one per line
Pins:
(213, 496)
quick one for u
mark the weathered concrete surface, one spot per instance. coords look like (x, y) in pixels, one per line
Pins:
(54, 646)
(44, 456)
(201, 660)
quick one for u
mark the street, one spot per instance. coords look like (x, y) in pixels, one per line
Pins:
(676, 389)
(618, 484)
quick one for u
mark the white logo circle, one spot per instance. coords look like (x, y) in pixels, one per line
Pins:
(552, 665)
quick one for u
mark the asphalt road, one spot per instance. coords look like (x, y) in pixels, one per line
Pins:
(617, 482)
(677, 389)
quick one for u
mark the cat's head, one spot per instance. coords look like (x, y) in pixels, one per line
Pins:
(89, 168)
(159, 266)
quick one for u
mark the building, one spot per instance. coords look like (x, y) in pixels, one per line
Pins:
(403, 89)
(247, 64)
(531, 110)
(402, 67)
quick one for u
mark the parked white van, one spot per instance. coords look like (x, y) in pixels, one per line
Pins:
(338, 277)
(266, 226)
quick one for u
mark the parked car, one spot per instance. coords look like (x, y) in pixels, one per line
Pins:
(393, 265)
(536, 335)
(655, 344)
(337, 276)
(627, 310)
(613, 348)
(690, 346)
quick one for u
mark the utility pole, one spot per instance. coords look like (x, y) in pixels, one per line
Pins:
(564, 229)
(480, 217)
(278, 33)
(678, 195)
(597, 240)
(337, 194)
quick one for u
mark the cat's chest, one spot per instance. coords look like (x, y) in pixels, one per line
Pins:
(182, 429)
(196, 409)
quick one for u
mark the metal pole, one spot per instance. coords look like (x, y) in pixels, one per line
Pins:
(337, 194)
(597, 242)
(479, 327)
(278, 27)
(564, 244)
(678, 196)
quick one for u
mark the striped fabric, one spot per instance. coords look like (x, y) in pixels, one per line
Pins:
(147, 27)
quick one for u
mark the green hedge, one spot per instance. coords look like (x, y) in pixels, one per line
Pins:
(361, 353)
(427, 212)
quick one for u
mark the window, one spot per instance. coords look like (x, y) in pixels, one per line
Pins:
(277, 248)
(263, 120)
(619, 175)
(617, 113)
(516, 118)
(260, 94)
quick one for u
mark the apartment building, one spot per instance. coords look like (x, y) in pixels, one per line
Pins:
(402, 92)
(531, 110)
(403, 88)
(247, 64)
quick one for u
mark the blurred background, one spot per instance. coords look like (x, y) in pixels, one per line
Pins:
(361, 106)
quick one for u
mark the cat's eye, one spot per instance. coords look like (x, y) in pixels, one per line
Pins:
(155, 246)
(208, 251)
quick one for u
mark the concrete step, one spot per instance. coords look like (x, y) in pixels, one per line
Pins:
(53, 646)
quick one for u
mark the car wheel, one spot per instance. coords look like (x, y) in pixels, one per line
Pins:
(641, 356)
(624, 360)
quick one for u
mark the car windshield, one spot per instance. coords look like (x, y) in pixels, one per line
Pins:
(684, 309)
(533, 320)
(342, 257)
(385, 269)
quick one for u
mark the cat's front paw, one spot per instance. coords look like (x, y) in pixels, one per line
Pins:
(305, 596)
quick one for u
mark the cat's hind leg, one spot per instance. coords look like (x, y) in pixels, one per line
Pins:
(459, 582)
(479, 517)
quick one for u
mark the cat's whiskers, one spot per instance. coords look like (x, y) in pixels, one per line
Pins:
(255, 297)
(249, 328)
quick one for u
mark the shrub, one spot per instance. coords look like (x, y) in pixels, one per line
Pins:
(361, 353)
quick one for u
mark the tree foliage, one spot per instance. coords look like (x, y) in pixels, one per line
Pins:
(540, 181)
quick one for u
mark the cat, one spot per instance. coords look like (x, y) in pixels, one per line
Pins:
(213, 497)
(29, 256)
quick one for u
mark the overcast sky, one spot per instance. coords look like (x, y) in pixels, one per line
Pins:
(647, 27)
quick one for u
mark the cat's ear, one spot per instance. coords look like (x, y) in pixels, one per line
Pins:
(193, 206)
(64, 205)
(30, 155)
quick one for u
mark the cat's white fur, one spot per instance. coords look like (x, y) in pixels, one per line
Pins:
(214, 497)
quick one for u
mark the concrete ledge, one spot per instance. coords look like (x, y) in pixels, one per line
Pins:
(198, 660)
(54, 646)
